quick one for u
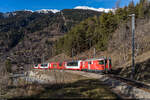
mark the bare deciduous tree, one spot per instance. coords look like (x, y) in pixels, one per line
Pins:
(118, 3)
(4, 78)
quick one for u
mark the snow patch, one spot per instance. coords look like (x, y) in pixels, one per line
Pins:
(28, 10)
(94, 9)
(47, 10)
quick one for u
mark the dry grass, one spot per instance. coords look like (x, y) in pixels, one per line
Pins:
(88, 88)
(74, 86)
(4, 79)
(139, 59)
(142, 70)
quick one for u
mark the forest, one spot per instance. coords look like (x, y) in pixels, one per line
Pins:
(97, 31)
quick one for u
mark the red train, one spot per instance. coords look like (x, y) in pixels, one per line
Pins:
(97, 65)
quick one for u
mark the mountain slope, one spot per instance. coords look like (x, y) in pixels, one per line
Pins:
(27, 37)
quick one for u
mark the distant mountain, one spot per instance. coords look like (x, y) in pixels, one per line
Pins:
(45, 11)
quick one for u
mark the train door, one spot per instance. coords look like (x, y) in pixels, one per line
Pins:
(85, 65)
(64, 65)
(54, 65)
(81, 65)
(109, 64)
(89, 65)
(105, 65)
(60, 64)
(49, 65)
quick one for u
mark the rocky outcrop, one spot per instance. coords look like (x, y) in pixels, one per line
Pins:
(36, 76)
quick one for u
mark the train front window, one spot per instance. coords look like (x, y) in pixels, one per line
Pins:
(109, 61)
(105, 61)
(101, 62)
(72, 64)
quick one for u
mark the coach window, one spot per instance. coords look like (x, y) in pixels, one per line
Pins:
(72, 64)
(44, 65)
(41, 65)
(101, 62)
(36, 65)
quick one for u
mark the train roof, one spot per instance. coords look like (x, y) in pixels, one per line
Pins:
(73, 60)
(102, 58)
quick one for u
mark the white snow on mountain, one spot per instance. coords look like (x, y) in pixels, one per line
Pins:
(28, 10)
(44, 10)
(47, 10)
(95, 9)
(78, 7)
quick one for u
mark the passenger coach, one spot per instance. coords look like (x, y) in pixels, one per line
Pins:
(74, 65)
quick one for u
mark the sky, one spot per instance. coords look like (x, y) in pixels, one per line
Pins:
(13, 5)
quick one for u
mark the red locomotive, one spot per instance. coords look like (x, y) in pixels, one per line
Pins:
(96, 65)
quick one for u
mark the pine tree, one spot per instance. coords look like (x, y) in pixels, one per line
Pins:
(131, 8)
(143, 8)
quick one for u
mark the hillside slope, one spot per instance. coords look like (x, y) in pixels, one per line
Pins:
(28, 37)
(119, 49)
(142, 68)
(110, 34)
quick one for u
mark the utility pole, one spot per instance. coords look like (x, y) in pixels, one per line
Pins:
(94, 52)
(72, 54)
(51, 51)
(133, 31)
(43, 58)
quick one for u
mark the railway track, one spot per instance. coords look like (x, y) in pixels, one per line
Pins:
(125, 87)
(134, 83)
